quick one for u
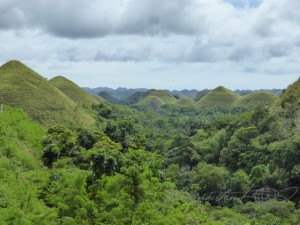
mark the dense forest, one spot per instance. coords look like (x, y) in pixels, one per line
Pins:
(67, 157)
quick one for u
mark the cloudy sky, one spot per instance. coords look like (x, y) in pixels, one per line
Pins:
(174, 44)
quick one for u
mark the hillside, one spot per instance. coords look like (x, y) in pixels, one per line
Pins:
(290, 101)
(185, 93)
(119, 93)
(220, 96)
(156, 98)
(166, 97)
(74, 92)
(256, 99)
(152, 102)
(291, 94)
(136, 97)
(22, 87)
(108, 97)
(201, 94)
(185, 101)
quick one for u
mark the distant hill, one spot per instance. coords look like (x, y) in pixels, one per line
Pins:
(133, 95)
(136, 97)
(244, 92)
(201, 94)
(220, 96)
(22, 87)
(152, 102)
(108, 97)
(74, 92)
(166, 97)
(185, 93)
(185, 101)
(154, 98)
(119, 93)
(256, 98)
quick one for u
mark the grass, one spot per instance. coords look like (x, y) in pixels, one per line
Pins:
(166, 97)
(256, 99)
(22, 87)
(20, 137)
(218, 97)
(185, 101)
(152, 102)
(224, 97)
(136, 97)
(74, 92)
(153, 98)
(290, 101)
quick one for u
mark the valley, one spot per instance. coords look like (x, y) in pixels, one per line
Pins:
(70, 155)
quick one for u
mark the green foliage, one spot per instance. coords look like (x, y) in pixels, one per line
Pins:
(20, 138)
(172, 164)
(21, 176)
(207, 179)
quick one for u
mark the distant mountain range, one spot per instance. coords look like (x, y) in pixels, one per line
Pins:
(130, 95)
(60, 101)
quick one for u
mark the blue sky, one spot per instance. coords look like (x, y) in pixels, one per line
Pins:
(178, 44)
(245, 3)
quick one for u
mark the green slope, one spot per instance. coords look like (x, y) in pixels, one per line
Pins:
(290, 101)
(22, 87)
(152, 102)
(291, 94)
(136, 97)
(166, 97)
(256, 99)
(22, 176)
(201, 94)
(99, 98)
(218, 97)
(108, 97)
(185, 101)
(74, 92)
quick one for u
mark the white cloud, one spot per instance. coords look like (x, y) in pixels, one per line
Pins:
(234, 36)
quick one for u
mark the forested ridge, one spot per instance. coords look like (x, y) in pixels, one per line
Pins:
(171, 164)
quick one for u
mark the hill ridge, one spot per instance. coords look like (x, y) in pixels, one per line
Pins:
(22, 87)
(73, 91)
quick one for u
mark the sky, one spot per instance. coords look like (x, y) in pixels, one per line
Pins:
(162, 44)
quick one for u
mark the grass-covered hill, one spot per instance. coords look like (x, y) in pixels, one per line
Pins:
(152, 98)
(290, 101)
(152, 102)
(21, 173)
(201, 94)
(108, 97)
(185, 101)
(74, 92)
(166, 97)
(255, 99)
(136, 97)
(22, 87)
(220, 96)
(291, 95)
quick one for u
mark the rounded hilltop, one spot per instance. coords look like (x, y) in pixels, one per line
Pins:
(22, 87)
